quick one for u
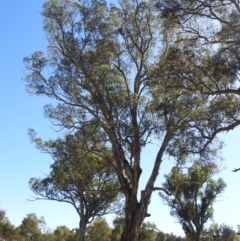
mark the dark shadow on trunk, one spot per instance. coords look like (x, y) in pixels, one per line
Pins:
(82, 229)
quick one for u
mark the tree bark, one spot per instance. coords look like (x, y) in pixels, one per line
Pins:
(82, 229)
(198, 234)
(133, 219)
(135, 212)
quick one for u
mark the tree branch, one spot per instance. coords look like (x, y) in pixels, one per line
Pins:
(236, 170)
(175, 191)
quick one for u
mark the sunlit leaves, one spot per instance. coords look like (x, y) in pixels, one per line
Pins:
(192, 204)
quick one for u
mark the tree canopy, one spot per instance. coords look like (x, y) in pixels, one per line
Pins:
(129, 73)
(30, 227)
(99, 230)
(192, 204)
(78, 177)
(6, 228)
(224, 233)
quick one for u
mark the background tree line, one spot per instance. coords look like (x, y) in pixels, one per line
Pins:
(35, 228)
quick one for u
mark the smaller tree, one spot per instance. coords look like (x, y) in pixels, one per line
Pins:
(195, 193)
(63, 233)
(30, 227)
(99, 230)
(78, 177)
(148, 232)
(224, 233)
(161, 236)
(118, 226)
(6, 228)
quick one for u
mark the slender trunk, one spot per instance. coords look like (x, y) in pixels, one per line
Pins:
(82, 229)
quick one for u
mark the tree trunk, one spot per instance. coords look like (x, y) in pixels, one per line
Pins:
(134, 215)
(135, 211)
(198, 234)
(82, 229)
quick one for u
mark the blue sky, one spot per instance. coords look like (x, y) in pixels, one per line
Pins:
(21, 35)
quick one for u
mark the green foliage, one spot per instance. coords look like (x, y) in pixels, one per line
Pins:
(99, 230)
(205, 56)
(161, 236)
(118, 226)
(6, 228)
(224, 233)
(63, 233)
(126, 74)
(30, 227)
(148, 232)
(78, 177)
(195, 193)
(49, 236)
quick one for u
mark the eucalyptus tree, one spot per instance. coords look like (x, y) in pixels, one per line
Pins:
(82, 179)
(212, 27)
(116, 69)
(204, 53)
(208, 34)
(148, 232)
(224, 232)
(63, 233)
(118, 226)
(30, 227)
(6, 228)
(192, 204)
(99, 230)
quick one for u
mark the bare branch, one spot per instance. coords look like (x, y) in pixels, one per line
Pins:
(236, 170)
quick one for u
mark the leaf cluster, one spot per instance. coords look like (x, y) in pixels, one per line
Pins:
(192, 204)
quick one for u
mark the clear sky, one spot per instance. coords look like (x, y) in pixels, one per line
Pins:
(22, 34)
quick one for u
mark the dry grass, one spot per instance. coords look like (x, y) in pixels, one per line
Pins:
(237, 238)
